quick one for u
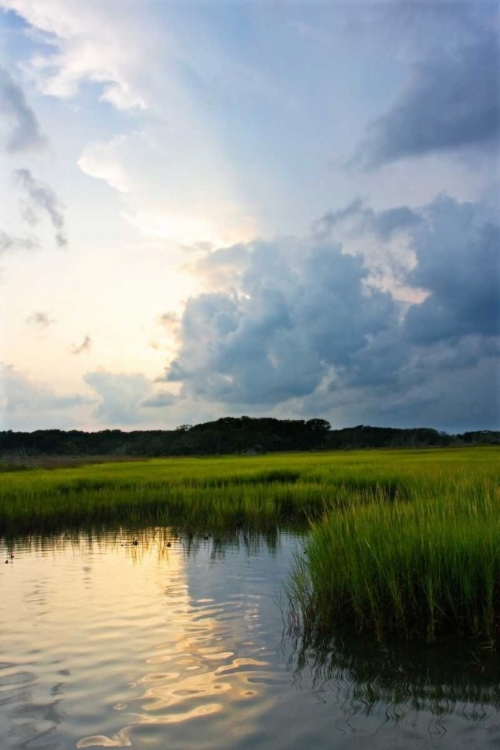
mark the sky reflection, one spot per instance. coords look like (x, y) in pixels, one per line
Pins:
(116, 644)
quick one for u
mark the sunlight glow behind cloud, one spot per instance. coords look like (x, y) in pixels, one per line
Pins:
(322, 226)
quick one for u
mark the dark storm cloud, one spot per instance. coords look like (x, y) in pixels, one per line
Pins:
(440, 365)
(457, 248)
(458, 263)
(454, 388)
(303, 323)
(297, 314)
(22, 131)
(41, 197)
(451, 101)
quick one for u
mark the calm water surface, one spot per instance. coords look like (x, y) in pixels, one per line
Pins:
(108, 644)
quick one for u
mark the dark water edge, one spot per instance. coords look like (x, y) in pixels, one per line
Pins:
(437, 677)
(184, 640)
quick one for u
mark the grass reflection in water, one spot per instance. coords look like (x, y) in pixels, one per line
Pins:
(456, 676)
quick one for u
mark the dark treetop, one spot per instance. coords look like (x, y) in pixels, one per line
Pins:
(231, 435)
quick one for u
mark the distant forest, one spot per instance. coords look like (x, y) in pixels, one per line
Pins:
(242, 435)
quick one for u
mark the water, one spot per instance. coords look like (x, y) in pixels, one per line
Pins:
(104, 643)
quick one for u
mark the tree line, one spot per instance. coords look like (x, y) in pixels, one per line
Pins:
(243, 435)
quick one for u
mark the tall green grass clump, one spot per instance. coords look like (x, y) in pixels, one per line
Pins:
(423, 566)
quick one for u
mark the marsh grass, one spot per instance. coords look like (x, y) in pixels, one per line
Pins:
(211, 504)
(255, 491)
(420, 565)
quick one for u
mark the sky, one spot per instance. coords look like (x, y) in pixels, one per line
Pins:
(268, 208)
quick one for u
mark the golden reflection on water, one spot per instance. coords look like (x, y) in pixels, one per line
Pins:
(127, 605)
(175, 641)
(196, 648)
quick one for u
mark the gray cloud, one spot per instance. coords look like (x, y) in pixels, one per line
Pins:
(160, 400)
(25, 400)
(41, 197)
(386, 224)
(121, 395)
(458, 261)
(440, 364)
(85, 346)
(39, 319)
(10, 242)
(450, 101)
(445, 388)
(383, 224)
(301, 327)
(324, 226)
(22, 131)
(298, 314)
(457, 252)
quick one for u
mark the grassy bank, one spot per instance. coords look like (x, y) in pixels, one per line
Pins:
(199, 494)
(420, 565)
(256, 491)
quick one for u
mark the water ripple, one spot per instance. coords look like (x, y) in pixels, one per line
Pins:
(117, 645)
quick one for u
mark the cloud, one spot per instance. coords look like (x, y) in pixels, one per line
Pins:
(121, 396)
(450, 385)
(170, 321)
(119, 399)
(126, 52)
(160, 400)
(458, 261)
(10, 242)
(41, 197)
(223, 266)
(450, 102)
(26, 402)
(39, 319)
(161, 173)
(303, 325)
(87, 41)
(104, 162)
(176, 180)
(83, 347)
(446, 387)
(323, 227)
(360, 218)
(171, 324)
(298, 313)
(20, 128)
(132, 399)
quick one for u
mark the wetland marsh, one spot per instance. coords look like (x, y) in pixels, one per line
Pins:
(159, 603)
